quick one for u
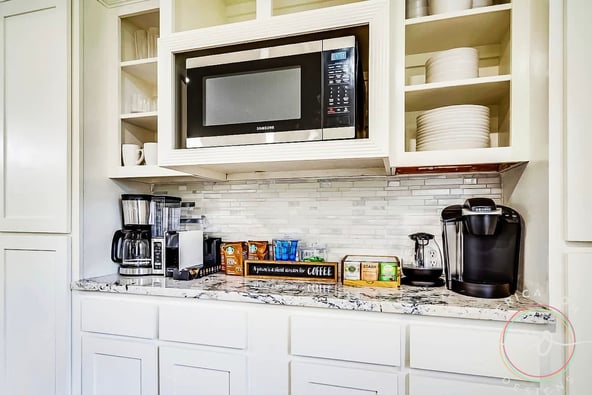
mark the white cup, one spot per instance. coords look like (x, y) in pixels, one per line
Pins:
(132, 154)
(138, 103)
(151, 153)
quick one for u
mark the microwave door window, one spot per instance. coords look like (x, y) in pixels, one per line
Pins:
(254, 97)
(262, 96)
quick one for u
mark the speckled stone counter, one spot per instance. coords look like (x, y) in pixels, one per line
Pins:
(435, 302)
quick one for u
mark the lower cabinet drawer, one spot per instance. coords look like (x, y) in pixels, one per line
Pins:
(424, 385)
(119, 317)
(203, 325)
(325, 379)
(473, 350)
(356, 340)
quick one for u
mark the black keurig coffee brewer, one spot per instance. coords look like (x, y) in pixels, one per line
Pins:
(481, 248)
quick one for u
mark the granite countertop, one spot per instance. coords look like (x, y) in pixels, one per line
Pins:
(435, 301)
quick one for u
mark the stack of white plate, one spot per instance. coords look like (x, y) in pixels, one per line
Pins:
(453, 64)
(481, 3)
(453, 127)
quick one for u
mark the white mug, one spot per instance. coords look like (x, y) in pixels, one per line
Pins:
(132, 154)
(151, 153)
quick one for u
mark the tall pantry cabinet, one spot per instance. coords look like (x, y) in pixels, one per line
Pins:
(35, 196)
(577, 134)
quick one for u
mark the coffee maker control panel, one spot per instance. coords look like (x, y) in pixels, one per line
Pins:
(157, 256)
(510, 215)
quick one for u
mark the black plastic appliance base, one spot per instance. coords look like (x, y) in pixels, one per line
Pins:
(480, 290)
(438, 282)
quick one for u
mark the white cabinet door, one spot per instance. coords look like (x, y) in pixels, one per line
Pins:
(317, 379)
(185, 371)
(578, 80)
(34, 315)
(579, 272)
(34, 116)
(118, 366)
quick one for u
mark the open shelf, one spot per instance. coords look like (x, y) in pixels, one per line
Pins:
(191, 14)
(148, 174)
(467, 28)
(483, 90)
(283, 7)
(144, 69)
(145, 120)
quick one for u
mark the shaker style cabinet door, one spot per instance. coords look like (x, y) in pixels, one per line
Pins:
(186, 371)
(34, 315)
(579, 309)
(317, 379)
(35, 116)
(112, 366)
(578, 80)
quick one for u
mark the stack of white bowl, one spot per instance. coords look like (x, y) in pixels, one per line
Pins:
(453, 127)
(482, 3)
(453, 64)
(415, 8)
(443, 6)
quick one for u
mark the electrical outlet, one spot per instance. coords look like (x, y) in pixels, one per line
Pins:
(433, 258)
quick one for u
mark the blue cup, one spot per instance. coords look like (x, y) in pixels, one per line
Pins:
(286, 250)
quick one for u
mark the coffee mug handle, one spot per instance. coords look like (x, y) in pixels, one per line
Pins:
(141, 158)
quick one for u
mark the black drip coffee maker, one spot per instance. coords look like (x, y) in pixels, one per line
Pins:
(131, 244)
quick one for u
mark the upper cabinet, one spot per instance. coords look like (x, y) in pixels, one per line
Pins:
(468, 85)
(35, 163)
(426, 105)
(138, 29)
(193, 29)
(578, 58)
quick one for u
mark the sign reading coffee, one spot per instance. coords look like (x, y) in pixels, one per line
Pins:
(318, 271)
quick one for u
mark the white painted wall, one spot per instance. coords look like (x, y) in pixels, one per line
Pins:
(101, 212)
(529, 192)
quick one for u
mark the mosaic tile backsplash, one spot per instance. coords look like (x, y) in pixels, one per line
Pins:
(348, 215)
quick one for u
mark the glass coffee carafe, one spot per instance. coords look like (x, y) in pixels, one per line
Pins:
(135, 248)
(131, 249)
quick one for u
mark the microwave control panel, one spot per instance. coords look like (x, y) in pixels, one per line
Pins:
(339, 87)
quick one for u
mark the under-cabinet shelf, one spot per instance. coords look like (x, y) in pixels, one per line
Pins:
(148, 174)
(482, 90)
(144, 69)
(145, 120)
(487, 25)
(458, 157)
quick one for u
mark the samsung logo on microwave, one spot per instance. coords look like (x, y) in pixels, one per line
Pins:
(268, 127)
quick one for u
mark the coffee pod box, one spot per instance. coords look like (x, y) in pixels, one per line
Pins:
(371, 271)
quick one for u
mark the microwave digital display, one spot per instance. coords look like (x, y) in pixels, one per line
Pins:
(341, 55)
(257, 96)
